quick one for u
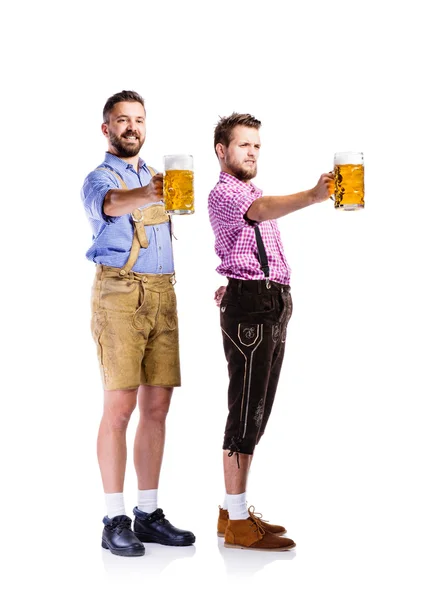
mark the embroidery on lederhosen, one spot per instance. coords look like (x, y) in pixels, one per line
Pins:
(258, 415)
(276, 331)
(248, 334)
(286, 314)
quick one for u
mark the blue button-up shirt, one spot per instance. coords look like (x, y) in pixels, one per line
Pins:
(113, 236)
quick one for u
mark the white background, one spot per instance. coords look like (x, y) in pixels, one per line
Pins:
(339, 463)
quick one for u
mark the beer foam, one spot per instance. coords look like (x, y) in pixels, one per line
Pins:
(183, 162)
(349, 158)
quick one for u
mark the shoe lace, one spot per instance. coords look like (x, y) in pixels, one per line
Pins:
(157, 515)
(256, 524)
(258, 516)
(121, 525)
(233, 448)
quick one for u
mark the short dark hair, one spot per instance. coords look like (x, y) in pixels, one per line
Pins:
(124, 96)
(223, 130)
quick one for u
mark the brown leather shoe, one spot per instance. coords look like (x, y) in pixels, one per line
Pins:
(223, 522)
(250, 535)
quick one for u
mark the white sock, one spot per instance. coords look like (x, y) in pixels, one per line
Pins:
(237, 506)
(225, 503)
(147, 500)
(115, 504)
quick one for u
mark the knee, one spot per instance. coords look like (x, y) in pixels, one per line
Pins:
(156, 411)
(117, 414)
(118, 420)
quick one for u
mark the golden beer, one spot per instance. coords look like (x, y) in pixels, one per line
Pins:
(349, 180)
(178, 184)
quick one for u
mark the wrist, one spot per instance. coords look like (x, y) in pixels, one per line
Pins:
(311, 197)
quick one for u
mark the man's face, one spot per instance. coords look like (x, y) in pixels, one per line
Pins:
(242, 153)
(126, 129)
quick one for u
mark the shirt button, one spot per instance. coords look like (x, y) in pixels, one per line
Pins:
(160, 268)
(157, 228)
(159, 248)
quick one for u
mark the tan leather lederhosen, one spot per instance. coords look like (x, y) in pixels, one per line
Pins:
(151, 215)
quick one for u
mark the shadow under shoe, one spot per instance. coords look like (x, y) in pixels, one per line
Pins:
(118, 537)
(224, 516)
(249, 534)
(154, 527)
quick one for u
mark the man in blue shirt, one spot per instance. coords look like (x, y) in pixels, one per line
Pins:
(134, 324)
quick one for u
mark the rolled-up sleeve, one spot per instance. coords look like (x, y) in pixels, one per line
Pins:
(229, 207)
(95, 188)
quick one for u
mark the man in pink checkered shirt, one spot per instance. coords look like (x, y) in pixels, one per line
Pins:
(255, 309)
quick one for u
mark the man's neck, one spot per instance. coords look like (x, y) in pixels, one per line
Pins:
(132, 160)
(229, 172)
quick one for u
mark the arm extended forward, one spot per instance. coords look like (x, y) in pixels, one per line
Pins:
(119, 202)
(274, 207)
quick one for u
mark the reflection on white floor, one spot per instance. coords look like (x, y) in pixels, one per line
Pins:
(248, 562)
(237, 562)
(156, 559)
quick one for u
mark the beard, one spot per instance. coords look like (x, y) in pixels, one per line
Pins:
(126, 148)
(243, 173)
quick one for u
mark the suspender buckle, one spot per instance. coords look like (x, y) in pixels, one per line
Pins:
(137, 220)
(268, 283)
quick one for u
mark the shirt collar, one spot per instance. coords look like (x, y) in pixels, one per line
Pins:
(227, 178)
(119, 164)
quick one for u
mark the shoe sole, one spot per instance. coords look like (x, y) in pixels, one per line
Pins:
(279, 534)
(284, 549)
(151, 539)
(122, 552)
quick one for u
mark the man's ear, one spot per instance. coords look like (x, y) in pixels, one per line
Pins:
(220, 150)
(104, 129)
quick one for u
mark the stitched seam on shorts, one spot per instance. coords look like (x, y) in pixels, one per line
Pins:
(100, 290)
(245, 370)
(260, 331)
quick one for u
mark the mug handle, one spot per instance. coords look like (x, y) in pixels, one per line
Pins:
(332, 197)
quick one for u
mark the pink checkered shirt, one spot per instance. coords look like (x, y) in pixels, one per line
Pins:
(235, 239)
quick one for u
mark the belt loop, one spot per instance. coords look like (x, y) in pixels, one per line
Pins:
(259, 286)
(240, 287)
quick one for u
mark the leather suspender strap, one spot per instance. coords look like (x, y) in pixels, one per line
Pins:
(140, 239)
(123, 185)
(261, 251)
(153, 172)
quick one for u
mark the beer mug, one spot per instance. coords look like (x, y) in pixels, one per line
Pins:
(178, 184)
(349, 180)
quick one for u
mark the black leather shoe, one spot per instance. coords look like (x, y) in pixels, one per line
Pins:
(154, 527)
(119, 538)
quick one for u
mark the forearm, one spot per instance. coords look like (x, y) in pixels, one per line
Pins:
(122, 202)
(274, 207)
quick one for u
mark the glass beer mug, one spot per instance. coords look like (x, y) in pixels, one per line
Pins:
(349, 180)
(178, 184)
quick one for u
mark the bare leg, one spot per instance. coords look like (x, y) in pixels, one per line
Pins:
(236, 478)
(111, 444)
(154, 403)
